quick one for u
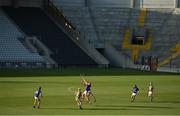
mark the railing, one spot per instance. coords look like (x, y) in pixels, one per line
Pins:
(168, 69)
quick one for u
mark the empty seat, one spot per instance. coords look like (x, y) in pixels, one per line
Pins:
(11, 49)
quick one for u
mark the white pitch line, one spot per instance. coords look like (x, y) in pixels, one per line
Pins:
(70, 89)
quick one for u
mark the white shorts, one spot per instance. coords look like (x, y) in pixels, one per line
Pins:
(86, 92)
(150, 93)
(77, 99)
(36, 98)
(134, 94)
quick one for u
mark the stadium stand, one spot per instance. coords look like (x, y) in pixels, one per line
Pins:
(104, 25)
(111, 23)
(34, 21)
(81, 18)
(167, 36)
(155, 21)
(12, 50)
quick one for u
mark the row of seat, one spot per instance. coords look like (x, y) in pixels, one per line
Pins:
(64, 50)
(111, 23)
(11, 49)
(81, 18)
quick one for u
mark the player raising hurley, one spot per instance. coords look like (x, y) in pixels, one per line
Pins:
(87, 93)
(37, 96)
(78, 97)
(150, 91)
(135, 90)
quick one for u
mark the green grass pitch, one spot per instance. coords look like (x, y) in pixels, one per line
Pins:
(112, 94)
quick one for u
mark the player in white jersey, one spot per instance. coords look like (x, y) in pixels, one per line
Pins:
(151, 91)
(37, 96)
(78, 98)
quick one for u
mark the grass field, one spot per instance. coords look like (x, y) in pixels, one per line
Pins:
(112, 94)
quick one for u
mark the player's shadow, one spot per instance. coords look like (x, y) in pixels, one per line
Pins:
(96, 108)
(58, 108)
(173, 102)
(103, 108)
(137, 106)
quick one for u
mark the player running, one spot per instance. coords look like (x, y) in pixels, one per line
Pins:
(150, 91)
(87, 93)
(135, 90)
(37, 96)
(78, 98)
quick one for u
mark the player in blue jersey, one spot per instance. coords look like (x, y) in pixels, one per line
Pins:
(37, 96)
(135, 90)
(87, 93)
